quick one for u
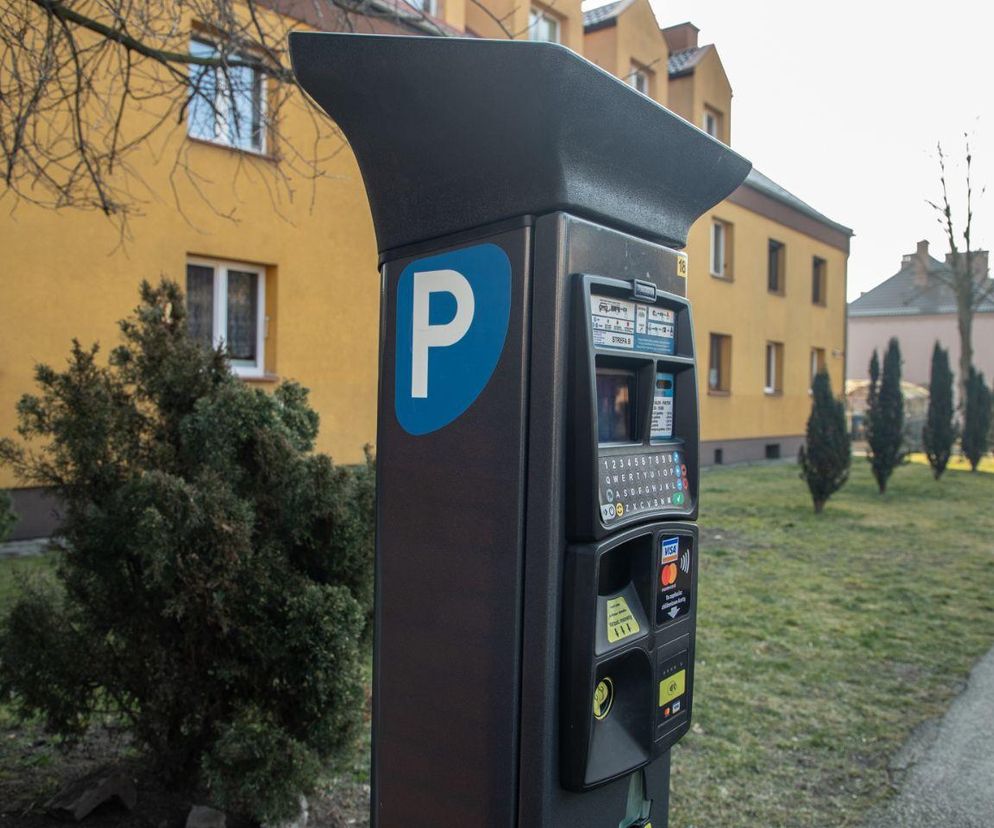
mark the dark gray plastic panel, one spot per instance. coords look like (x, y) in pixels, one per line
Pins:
(454, 133)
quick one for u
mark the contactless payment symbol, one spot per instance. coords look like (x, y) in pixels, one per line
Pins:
(452, 316)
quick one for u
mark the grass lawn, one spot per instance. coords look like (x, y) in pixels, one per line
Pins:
(13, 571)
(824, 640)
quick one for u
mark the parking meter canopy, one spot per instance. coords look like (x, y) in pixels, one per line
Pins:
(457, 133)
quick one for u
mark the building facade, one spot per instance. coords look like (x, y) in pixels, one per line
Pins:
(917, 306)
(286, 275)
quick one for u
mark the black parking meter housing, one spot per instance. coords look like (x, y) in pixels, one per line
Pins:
(537, 436)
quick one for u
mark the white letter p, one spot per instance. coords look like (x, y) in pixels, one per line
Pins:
(427, 336)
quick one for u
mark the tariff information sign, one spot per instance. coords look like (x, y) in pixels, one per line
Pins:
(618, 323)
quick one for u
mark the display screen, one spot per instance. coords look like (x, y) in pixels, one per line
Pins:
(615, 405)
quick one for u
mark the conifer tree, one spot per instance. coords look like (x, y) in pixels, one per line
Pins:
(218, 581)
(885, 415)
(939, 433)
(976, 419)
(825, 455)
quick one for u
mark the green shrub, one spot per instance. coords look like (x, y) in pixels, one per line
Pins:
(939, 433)
(7, 515)
(217, 583)
(825, 456)
(885, 416)
(976, 419)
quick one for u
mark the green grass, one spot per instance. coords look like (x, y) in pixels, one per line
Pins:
(13, 573)
(824, 640)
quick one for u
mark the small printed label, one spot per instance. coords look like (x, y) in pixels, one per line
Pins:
(681, 265)
(621, 624)
(662, 408)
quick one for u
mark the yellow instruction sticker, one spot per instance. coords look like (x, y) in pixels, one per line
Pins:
(620, 622)
(603, 698)
(681, 265)
(672, 687)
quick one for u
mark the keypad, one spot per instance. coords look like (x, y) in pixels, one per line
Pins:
(640, 482)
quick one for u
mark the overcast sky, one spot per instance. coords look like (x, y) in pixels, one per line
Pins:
(842, 103)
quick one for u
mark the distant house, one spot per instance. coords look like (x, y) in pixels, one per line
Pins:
(915, 409)
(917, 307)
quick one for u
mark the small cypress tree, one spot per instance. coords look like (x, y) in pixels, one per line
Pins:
(7, 516)
(885, 415)
(939, 433)
(976, 419)
(825, 455)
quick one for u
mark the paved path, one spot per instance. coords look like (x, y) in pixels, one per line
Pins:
(949, 764)
(19, 549)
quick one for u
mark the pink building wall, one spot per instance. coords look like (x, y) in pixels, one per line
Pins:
(917, 335)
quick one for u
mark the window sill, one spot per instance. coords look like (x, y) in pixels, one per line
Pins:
(722, 278)
(780, 293)
(204, 142)
(772, 392)
(819, 305)
(263, 378)
(713, 392)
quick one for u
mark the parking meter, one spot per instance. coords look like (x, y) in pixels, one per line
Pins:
(537, 434)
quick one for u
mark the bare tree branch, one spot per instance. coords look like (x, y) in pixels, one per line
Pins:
(86, 84)
(970, 287)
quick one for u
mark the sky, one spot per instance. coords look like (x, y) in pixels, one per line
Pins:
(843, 103)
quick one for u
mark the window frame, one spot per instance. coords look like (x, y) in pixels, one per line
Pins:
(818, 363)
(222, 104)
(819, 281)
(712, 114)
(776, 251)
(636, 73)
(720, 360)
(537, 15)
(773, 368)
(428, 7)
(219, 321)
(727, 240)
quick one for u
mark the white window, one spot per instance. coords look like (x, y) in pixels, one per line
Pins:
(774, 368)
(718, 241)
(638, 79)
(542, 26)
(817, 362)
(427, 6)
(226, 306)
(712, 122)
(227, 103)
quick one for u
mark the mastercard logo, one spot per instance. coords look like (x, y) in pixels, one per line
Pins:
(668, 575)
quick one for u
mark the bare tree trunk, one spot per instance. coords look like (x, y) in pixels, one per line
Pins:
(964, 322)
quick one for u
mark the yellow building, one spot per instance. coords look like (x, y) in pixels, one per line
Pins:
(767, 271)
(286, 274)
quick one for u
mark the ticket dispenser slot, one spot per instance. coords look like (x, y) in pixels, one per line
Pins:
(628, 660)
(633, 389)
